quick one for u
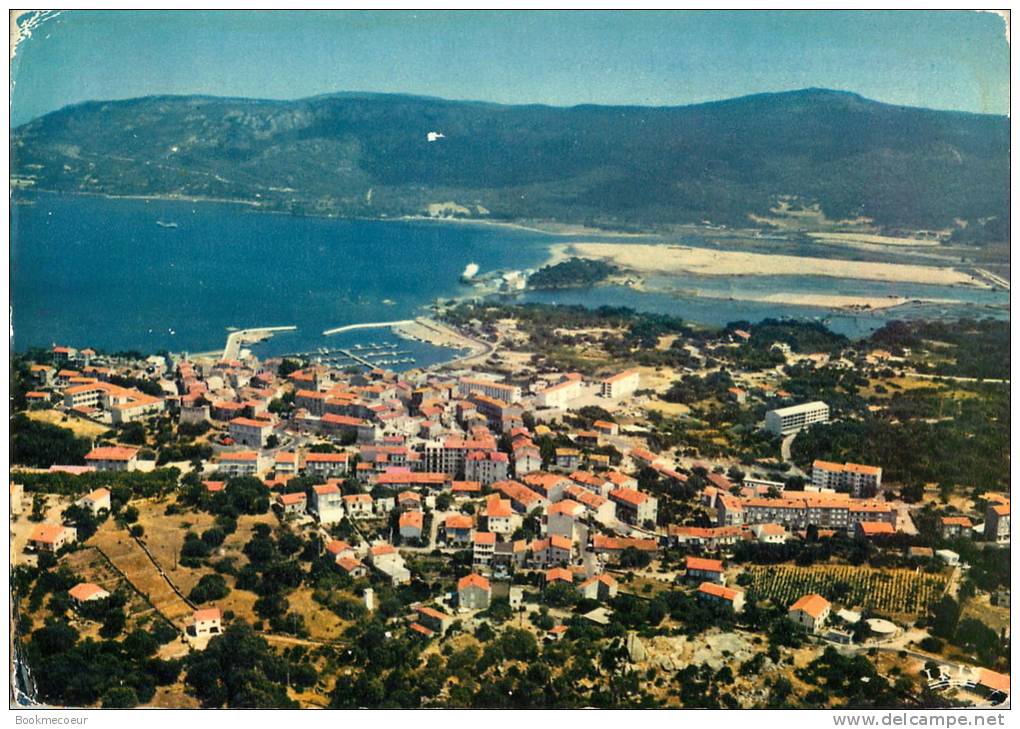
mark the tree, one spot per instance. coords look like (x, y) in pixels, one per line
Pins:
(120, 697)
(945, 616)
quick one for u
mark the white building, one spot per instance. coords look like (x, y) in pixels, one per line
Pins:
(560, 394)
(499, 390)
(96, 501)
(328, 503)
(206, 622)
(250, 432)
(859, 480)
(621, 384)
(784, 421)
(113, 458)
(810, 612)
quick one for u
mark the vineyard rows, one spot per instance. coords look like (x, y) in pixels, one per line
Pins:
(892, 591)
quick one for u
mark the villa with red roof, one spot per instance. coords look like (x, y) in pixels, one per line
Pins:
(705, 570)
(113, 458)
(716, 593)
(87, 592)
(206, 622)
(51, 537)
(810, 612)
(474, 592)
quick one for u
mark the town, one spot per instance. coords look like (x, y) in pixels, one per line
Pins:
(594, 509)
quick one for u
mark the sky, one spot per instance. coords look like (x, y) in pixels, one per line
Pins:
(936, 59)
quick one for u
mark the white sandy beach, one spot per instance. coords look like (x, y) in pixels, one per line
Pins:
(678, 259)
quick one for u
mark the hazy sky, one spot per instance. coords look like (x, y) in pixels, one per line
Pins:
(945, 60)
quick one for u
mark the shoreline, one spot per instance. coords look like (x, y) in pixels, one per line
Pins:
(550, 228)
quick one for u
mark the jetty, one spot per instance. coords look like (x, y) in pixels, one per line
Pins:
(369, 325)
(248, 336)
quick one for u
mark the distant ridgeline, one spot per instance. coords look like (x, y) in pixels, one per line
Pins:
(375, 155)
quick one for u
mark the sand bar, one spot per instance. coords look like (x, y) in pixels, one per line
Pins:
(677, 260)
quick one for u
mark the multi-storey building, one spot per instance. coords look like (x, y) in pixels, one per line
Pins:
(854, 478)
(784, 421)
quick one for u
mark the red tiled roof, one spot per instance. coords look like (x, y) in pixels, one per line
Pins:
(812, 604)
(716, 590)
(473, 580)
(85, 591)
(206, 614)
(46, 533)
(111, 453)
(705, 565)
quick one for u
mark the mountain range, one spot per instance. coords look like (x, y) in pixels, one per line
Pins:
(372, 155)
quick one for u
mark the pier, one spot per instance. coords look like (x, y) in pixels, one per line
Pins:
(248, 336)
(370, 325)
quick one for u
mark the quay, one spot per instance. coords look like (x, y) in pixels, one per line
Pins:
(247, 336)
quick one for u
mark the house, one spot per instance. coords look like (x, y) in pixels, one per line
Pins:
(705, 570)
(409, 501)
(556, 633)
(606, 427)
(250, 432)
(411, 524)
(206, 622)
(614, 547)
(769, 533)
(326, 465)
(339, 549)
(285, 463)
(96, 501)
(51, 537)
(458, 528)
(634, 507)
(562, 518)
(509, 554)
(328, 503)
(240, 463)
(716, 537)
(351, 567)
(872, 529)
(810, 612)
(87, 592)
(499, 515)
(386, 559)
(358, 506)
(466, 489)
(716, 593)
(214, 487)
(292, 503)
(434, 620)
(558, 574)
(552, 550)
(955, 526)
(113, 458)
(997, 522)
(484, 548)
(474, 592)
(568, 458)
(600, 587)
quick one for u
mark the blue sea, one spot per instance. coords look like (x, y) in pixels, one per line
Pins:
(99, 272)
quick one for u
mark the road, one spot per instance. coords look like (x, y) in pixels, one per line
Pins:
(955, 378)
(994, 278)
(241, 336)
(368, 325)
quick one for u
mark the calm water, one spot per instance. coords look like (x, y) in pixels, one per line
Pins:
(98, 272)
(88, 271)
